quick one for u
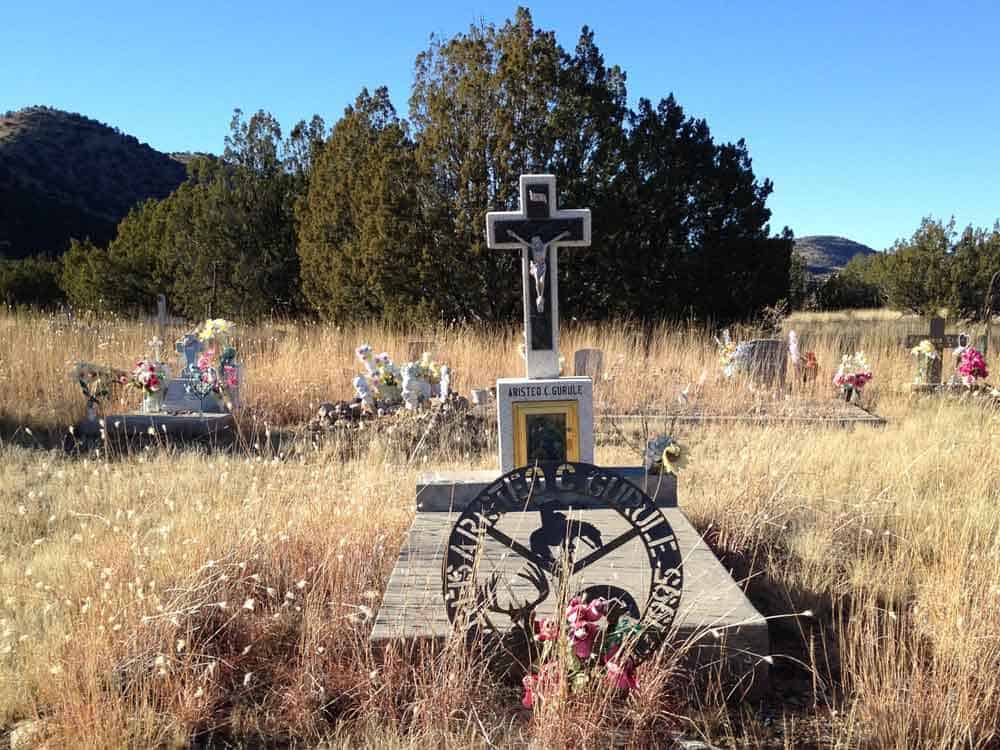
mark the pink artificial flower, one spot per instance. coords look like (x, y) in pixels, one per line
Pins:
(581, 616)
(537, 686)
(579, 610)
(204, 362)
(546, 630)
(622, 675)
(972, 366)
(620, 672)
(581, 638)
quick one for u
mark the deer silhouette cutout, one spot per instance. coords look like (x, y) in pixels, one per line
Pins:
(559, 532)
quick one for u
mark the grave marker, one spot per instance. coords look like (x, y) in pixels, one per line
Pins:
(941, 342)
(766, 362)
(589, 362)
(161, 326)
(487, 552)
(415, 348)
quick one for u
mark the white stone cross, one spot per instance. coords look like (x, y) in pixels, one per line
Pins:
(538, 226)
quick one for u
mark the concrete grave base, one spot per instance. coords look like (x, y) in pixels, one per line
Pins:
(716, 623)
(206, 427)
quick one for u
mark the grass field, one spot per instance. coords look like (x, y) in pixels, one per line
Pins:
(172, 597)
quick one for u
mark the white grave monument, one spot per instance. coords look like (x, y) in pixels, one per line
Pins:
(542, 416)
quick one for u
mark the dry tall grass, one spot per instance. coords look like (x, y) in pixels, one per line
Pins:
(168, 595)
(291, 368)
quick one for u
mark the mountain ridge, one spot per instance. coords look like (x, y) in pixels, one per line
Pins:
(66, 175)
(826, 254)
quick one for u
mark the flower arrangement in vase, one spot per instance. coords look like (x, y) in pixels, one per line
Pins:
(853, 374)
(971, 365)
(924, 353)
(150, 377)
(588, 644)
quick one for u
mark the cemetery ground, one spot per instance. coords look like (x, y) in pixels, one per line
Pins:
(164, 594)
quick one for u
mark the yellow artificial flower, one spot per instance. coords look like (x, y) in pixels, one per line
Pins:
(217, 328)
(671, 458)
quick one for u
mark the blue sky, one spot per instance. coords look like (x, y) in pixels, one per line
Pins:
(866, 115)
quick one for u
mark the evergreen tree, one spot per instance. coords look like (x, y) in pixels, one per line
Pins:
(919, 270)
(223, 243)
(365, 245)
(680, 223)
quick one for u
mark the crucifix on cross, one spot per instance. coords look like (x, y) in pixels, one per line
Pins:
(535, 228)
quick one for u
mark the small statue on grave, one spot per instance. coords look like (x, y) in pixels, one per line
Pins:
(413, 391)
(445, 382)
(364, 393)
(539, 254)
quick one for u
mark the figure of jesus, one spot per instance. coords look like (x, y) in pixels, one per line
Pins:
(539, 254)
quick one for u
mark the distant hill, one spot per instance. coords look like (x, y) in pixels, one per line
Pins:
(826, 254)
(64, 175)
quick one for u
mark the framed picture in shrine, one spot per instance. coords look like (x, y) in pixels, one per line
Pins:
(546, 431)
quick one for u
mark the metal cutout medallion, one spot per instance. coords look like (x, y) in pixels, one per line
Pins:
(562, 545)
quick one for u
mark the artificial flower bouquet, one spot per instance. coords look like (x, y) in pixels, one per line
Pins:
(971, 365)
(149, 376)
(217, 371)
(381, 379)
(853, 374)
(589, 644)
(96, 382)
(924, 353)
(732, 355)
(216, 330)
(411, 383)
(428, 370)
(663, 455)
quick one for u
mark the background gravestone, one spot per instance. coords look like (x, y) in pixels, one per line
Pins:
(766, 362)
(588, 362)
(415, 348)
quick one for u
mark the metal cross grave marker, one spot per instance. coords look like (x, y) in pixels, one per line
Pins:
(941, 342)
(538, 229)
(190, 347)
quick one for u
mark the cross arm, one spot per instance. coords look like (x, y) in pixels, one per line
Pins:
(509, 230)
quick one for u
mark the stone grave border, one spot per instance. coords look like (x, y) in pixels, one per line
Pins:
(864, 417)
